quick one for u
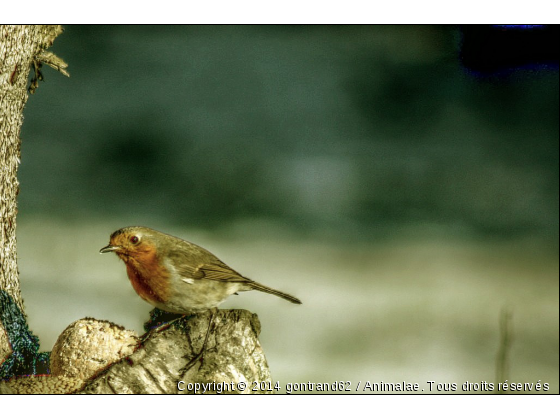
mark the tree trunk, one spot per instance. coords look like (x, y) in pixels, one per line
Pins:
(21, 46)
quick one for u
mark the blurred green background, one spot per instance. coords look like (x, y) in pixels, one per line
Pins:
(402, 197)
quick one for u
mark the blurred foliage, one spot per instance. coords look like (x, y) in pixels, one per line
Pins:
(343, 128)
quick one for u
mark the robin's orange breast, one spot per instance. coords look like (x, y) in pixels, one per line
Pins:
(148, 277)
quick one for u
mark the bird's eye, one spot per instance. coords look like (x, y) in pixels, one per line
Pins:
(134, 239)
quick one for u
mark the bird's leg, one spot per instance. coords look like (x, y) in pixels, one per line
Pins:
(147, 335)
(195, 359)
(159, 321)
(166, 325)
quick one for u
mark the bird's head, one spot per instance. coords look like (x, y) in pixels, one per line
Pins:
(130, 242)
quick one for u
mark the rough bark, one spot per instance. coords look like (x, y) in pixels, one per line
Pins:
(21, 46)
(232, 356)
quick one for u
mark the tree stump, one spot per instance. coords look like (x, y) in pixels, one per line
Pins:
(232, 356)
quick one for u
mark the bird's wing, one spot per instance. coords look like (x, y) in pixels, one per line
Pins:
(220, 272)
(210, 270)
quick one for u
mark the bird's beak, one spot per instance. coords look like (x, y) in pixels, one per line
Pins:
(109, 248)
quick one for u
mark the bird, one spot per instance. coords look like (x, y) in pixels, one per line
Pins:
(178, 276)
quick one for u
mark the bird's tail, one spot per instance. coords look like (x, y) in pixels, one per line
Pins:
(266, 289)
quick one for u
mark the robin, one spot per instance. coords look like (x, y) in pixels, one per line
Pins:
(178, 276)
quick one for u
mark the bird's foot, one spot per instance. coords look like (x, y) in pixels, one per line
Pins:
(199, 355)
